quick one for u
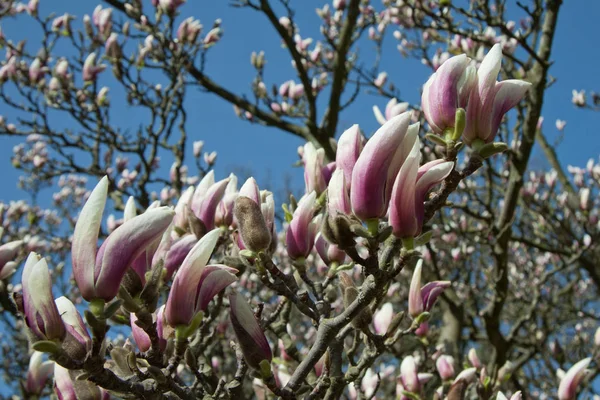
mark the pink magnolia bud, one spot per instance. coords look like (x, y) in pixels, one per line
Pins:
(380, 80)
(189, 30)
(383, 318)
(90, 69)
(409, 375)
(410, 188)
(38, 373)
(102, 18)
(8, 253)
(250, 335)
(468, 375)
(36, 70)
(196, 283)
(198, 146)
(224, 213)
(378, 165)
(32, 7)
(61, 68)
(67, 386)
(350, 145)
(474, 359)
(41, 314)
(445, 367)
(329, 252)
(490, 100)
(569, 384)
(314, 177)
(142, 340)
(447, 90)
(300, 236)
(169, 6)
(338, 201)
(421, 299)
(206, 198)
(78, 343)
(182, 209)
(9, 70)
(112, 48)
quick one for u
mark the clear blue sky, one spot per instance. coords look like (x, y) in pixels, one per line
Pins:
(270, 152)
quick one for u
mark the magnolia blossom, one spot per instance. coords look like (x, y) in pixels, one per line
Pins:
(447, 90)
(377, 166)
(98, 273)
(392, 109)
(196, 283)
(422, 299)
(251, 337)
(490, 100)
(300, 235)
(570, 382)
(410, 188)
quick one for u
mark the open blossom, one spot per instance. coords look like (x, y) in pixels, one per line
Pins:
(98, 272)
(196, 283)
(91, 69)
(410, 188)
(490, 100)
(377, 166)
(447, 90)
(422, 299)
(206, 198)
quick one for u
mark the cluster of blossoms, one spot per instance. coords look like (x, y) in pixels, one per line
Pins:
(164, 273)
(373, 189)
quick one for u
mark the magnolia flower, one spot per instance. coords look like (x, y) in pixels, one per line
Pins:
(8, 253)
(67, 386)
(570, 382)
(412, 184)
(41, 314)
(250, 335)
(422, 299)
(490, 100)
(447, 90)
(315, 171)
(445, 367)
(38, 373)
(377, 166)
(206, 198)
(349, 146)
(98, 274)
(383, 318)
(392, 109)
(196, 283)
(91, 69)
(300, 235)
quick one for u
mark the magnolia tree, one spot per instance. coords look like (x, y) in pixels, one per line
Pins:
(422, 261)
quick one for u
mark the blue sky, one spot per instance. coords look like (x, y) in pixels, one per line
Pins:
(271, 153)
